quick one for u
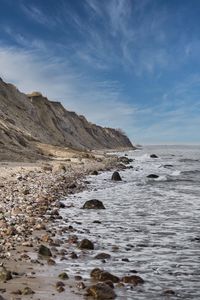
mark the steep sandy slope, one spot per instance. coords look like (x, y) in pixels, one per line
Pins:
(28, 119)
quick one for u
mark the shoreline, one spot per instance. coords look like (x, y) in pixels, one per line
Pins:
(31, 195)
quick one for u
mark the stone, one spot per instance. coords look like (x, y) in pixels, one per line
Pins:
(101, 291)
(102, 275)
(27, 291)
(63, 276)
(86, 244)
(153, 176)
(51, 262)
(103, 256)
(78, 277)
(125, 160)
(132, 279)
(59, 283)
(80, 285)
(169, 292)
(94, 172)
(44, 251)
(116, 176)
(93, 204)
(153, 156)
(5, 275)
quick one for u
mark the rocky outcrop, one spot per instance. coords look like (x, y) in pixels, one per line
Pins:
(26, 120)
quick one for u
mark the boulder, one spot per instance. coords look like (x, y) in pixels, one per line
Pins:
(94, 172)
(63, 276)
(93, 204)
(101, 291)
(44, 251)
(86, 244)
(5, 275)
(153, 156)
(125, 160)
(27, 291)
(103, 256)
(152, 176)
(105, 276)
(132, 279)
(116, 176)
(102, 275)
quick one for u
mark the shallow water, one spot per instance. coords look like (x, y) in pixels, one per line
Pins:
(155, 223)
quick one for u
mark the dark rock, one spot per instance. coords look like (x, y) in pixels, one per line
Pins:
(110, 283)
(102, 275)
(125, 160)
(51, 262)
(59, 283)
(93, 204)
(60, 289)
(86, 244)
(97, 222)
(133, 279)
(63, 276)
(103, 256)
(101, 291)
(27, 291)
(152, 176)
(5, 275)
(44, 251)
(61, 205)
(116, 176)
(81, 285)
(125, 259)
(121, 166)
(153, 156)
(95, 273)
(94, 172)
(78, 277)
(169, 292)
(73, 255)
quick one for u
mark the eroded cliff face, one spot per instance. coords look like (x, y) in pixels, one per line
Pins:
(26, 120)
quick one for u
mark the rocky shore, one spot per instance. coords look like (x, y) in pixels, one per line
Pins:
(31, 245)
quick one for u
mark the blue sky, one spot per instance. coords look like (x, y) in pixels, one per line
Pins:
(130, 64)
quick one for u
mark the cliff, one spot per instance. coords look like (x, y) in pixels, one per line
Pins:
(26, 120)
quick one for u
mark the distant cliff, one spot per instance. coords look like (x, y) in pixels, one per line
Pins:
(26, 120)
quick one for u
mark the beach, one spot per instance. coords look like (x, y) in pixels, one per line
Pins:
(31, 196)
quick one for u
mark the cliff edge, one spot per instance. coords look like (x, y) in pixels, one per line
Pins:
(28, 120)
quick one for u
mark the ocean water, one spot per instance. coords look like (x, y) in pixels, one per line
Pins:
(154, 223)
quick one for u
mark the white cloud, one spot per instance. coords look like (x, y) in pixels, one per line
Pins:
(99, 101)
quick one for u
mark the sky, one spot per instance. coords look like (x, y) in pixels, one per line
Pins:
(129, 64)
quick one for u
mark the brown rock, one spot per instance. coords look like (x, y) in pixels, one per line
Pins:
(101, 291)
(86, 244)
(132, 279)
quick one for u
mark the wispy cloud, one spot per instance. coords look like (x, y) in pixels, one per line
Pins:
(36, 14)
(99, 101)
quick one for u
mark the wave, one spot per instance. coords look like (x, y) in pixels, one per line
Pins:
(189, 160)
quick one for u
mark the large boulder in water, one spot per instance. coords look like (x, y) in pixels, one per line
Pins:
(86, 244)
(153, 176)
(93, 204)
(102, 275)
(101, 291)
(116, 176)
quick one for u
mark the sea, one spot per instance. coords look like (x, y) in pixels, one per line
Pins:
(150, 227)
